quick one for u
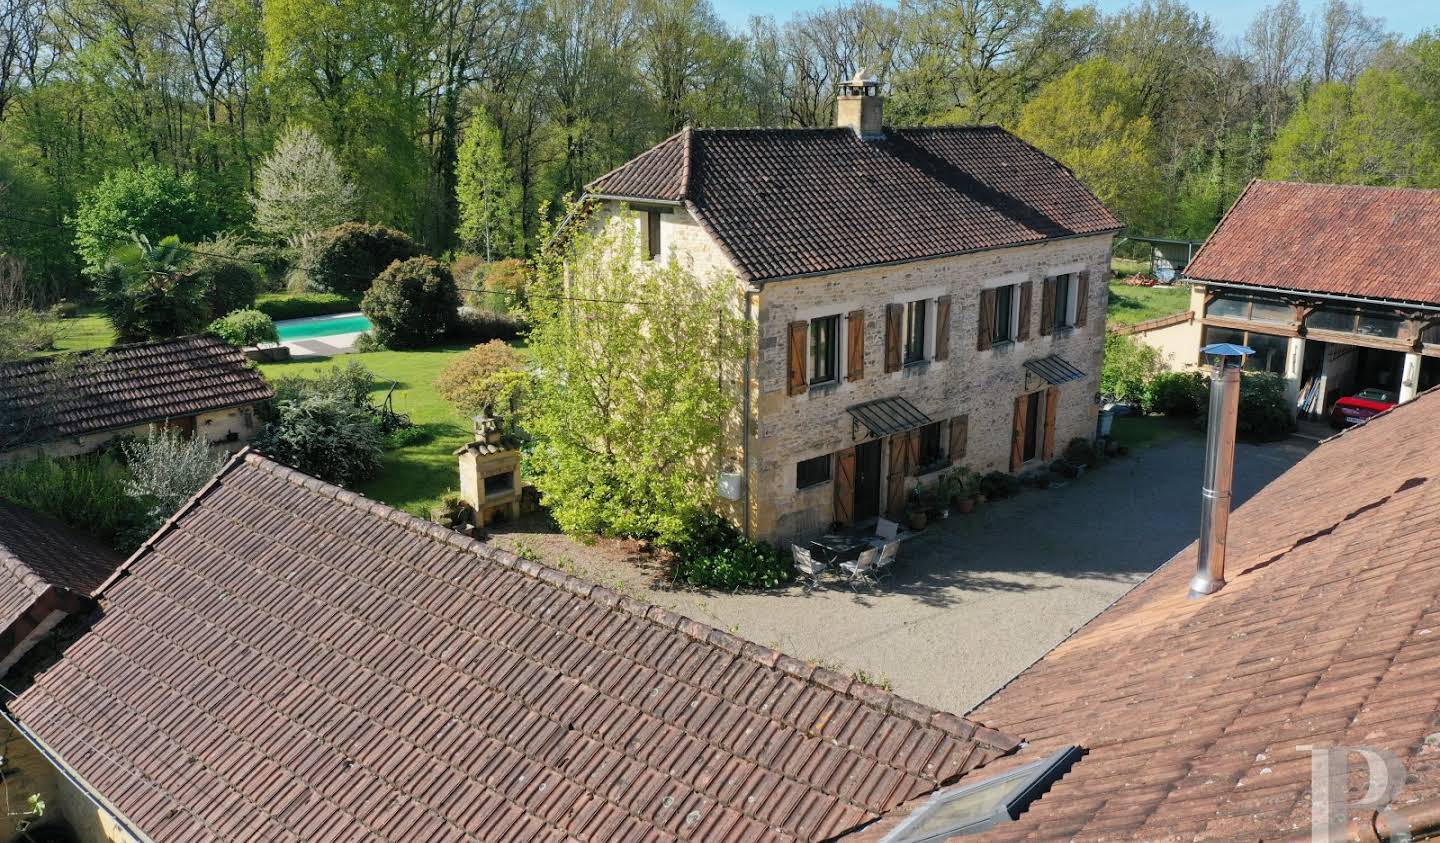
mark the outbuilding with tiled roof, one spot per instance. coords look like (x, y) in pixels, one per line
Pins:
(70, 404)
(287, 660)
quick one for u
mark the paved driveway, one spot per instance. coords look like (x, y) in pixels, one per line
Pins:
(979, 597)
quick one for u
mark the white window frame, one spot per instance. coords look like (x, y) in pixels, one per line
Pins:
(1013, 279)
(842, 339)
(837, 341)
(928, 295)
(1072, 295)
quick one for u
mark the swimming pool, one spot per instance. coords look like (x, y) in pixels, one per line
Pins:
(322, 326)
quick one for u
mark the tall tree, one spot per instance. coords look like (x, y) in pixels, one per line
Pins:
(488, 197)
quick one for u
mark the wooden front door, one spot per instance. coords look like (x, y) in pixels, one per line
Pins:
(867, 480)
(904, 454)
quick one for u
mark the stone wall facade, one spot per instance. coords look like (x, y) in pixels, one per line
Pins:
(28, 772)
(785, 429)
(228, 428)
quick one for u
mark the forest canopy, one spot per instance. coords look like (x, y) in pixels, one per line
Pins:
(458, 121)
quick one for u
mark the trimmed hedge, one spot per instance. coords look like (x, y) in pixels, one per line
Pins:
(280, 306)
(412, 304)
(229, 285)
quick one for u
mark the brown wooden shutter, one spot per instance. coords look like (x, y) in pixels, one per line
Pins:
(894, 331)
(1052, 401)
(895, 493)
(855, 356)
(1023, 333)
(799, 333)
(1047, 307)
(1017, 438)
(987, 320)
(959, 433)
(1082, 297)
(845, 486)
(942, 328)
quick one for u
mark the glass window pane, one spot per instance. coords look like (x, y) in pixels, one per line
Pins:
(1331, 319)
(1001, 331)
(1377, 325)
(915, 331)
(812, 472)
(1269, 353)
(1230, 306)
(823, 346)
(1272, 311)
(1062, 301)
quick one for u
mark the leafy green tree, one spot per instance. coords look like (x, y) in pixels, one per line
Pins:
(149, 201)
(147, 294)
(301, 187)
(324, 435)
(634, 386)
(487, 194)
(347, 258)
(1130, 366)
(166, 468)
(490, 375)
(1091, 120)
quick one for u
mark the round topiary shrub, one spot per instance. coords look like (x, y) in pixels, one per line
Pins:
(346, 259)
(229, 285)
(412, 304)
(242, 328)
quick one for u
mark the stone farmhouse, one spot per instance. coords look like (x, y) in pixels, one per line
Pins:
(920, 298)
(64, 407)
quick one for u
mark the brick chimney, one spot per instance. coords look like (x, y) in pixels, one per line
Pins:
(858, 106)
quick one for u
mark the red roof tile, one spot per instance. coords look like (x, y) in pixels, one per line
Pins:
(286, 648)
(786, 202)
(1327, 632)
(1373, 242)
(123, 386)
(44, 565)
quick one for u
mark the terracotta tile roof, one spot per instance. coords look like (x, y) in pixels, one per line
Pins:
(786, 202)
(38, 557)
(123, 386)
(1328, 632)
(1374, 242)
(290, 661)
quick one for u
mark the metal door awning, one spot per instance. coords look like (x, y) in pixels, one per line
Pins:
(885, 416)
(1054, 369)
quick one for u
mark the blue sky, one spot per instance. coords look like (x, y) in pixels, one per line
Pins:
(1231, 16)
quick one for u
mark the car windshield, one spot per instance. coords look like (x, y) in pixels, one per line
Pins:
(1377, 395)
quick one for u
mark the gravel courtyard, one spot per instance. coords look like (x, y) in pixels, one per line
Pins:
(977, 598)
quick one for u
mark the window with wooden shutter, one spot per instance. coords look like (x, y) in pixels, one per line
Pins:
(1082, 297)
(986, 330)
(1017, 438)
(1022, 331)
(855, 352)
(845, 486)
(959, 434)
(894, 335)
(942, 328)
(1047, 307)
(1052, 402)
(796, 357)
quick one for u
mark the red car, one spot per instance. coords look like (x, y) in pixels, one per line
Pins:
(1359, 407)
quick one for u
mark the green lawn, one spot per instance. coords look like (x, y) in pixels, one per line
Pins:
(416, 476)
(1129, 305)
(86, 330)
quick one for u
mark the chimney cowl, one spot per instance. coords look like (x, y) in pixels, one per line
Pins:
(859, 106)
(1219, 466)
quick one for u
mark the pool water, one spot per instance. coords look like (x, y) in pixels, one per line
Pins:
(322, 326)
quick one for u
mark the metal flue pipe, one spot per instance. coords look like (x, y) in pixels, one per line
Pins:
(1219, 466)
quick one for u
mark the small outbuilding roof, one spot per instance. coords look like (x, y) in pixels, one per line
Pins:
(48, 398)
(1371, 242)
(290, 661)
(44, 567)
(1194, 714)
(787, 202)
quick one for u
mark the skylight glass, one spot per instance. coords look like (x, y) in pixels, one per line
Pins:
(969, 808)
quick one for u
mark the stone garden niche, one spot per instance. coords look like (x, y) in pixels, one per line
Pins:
(490, 472)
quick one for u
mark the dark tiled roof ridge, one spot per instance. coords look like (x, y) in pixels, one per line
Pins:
(656, 149)
(878, 699)
(1178, 557)
(94, 352)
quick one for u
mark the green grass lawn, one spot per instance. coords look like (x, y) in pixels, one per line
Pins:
(85, 330)
(413, 477)
(1129, 305)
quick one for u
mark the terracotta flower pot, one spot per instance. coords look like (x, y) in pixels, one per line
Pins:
(918, 520)
(967, 505)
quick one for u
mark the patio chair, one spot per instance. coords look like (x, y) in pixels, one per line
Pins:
(808, 567)
(884, 563)
(862, 569)
(886, 529)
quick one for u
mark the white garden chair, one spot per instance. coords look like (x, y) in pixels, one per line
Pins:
(808, 567)
(886, 560)
(862, 569)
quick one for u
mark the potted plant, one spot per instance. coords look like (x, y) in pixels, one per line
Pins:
(917, 513)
